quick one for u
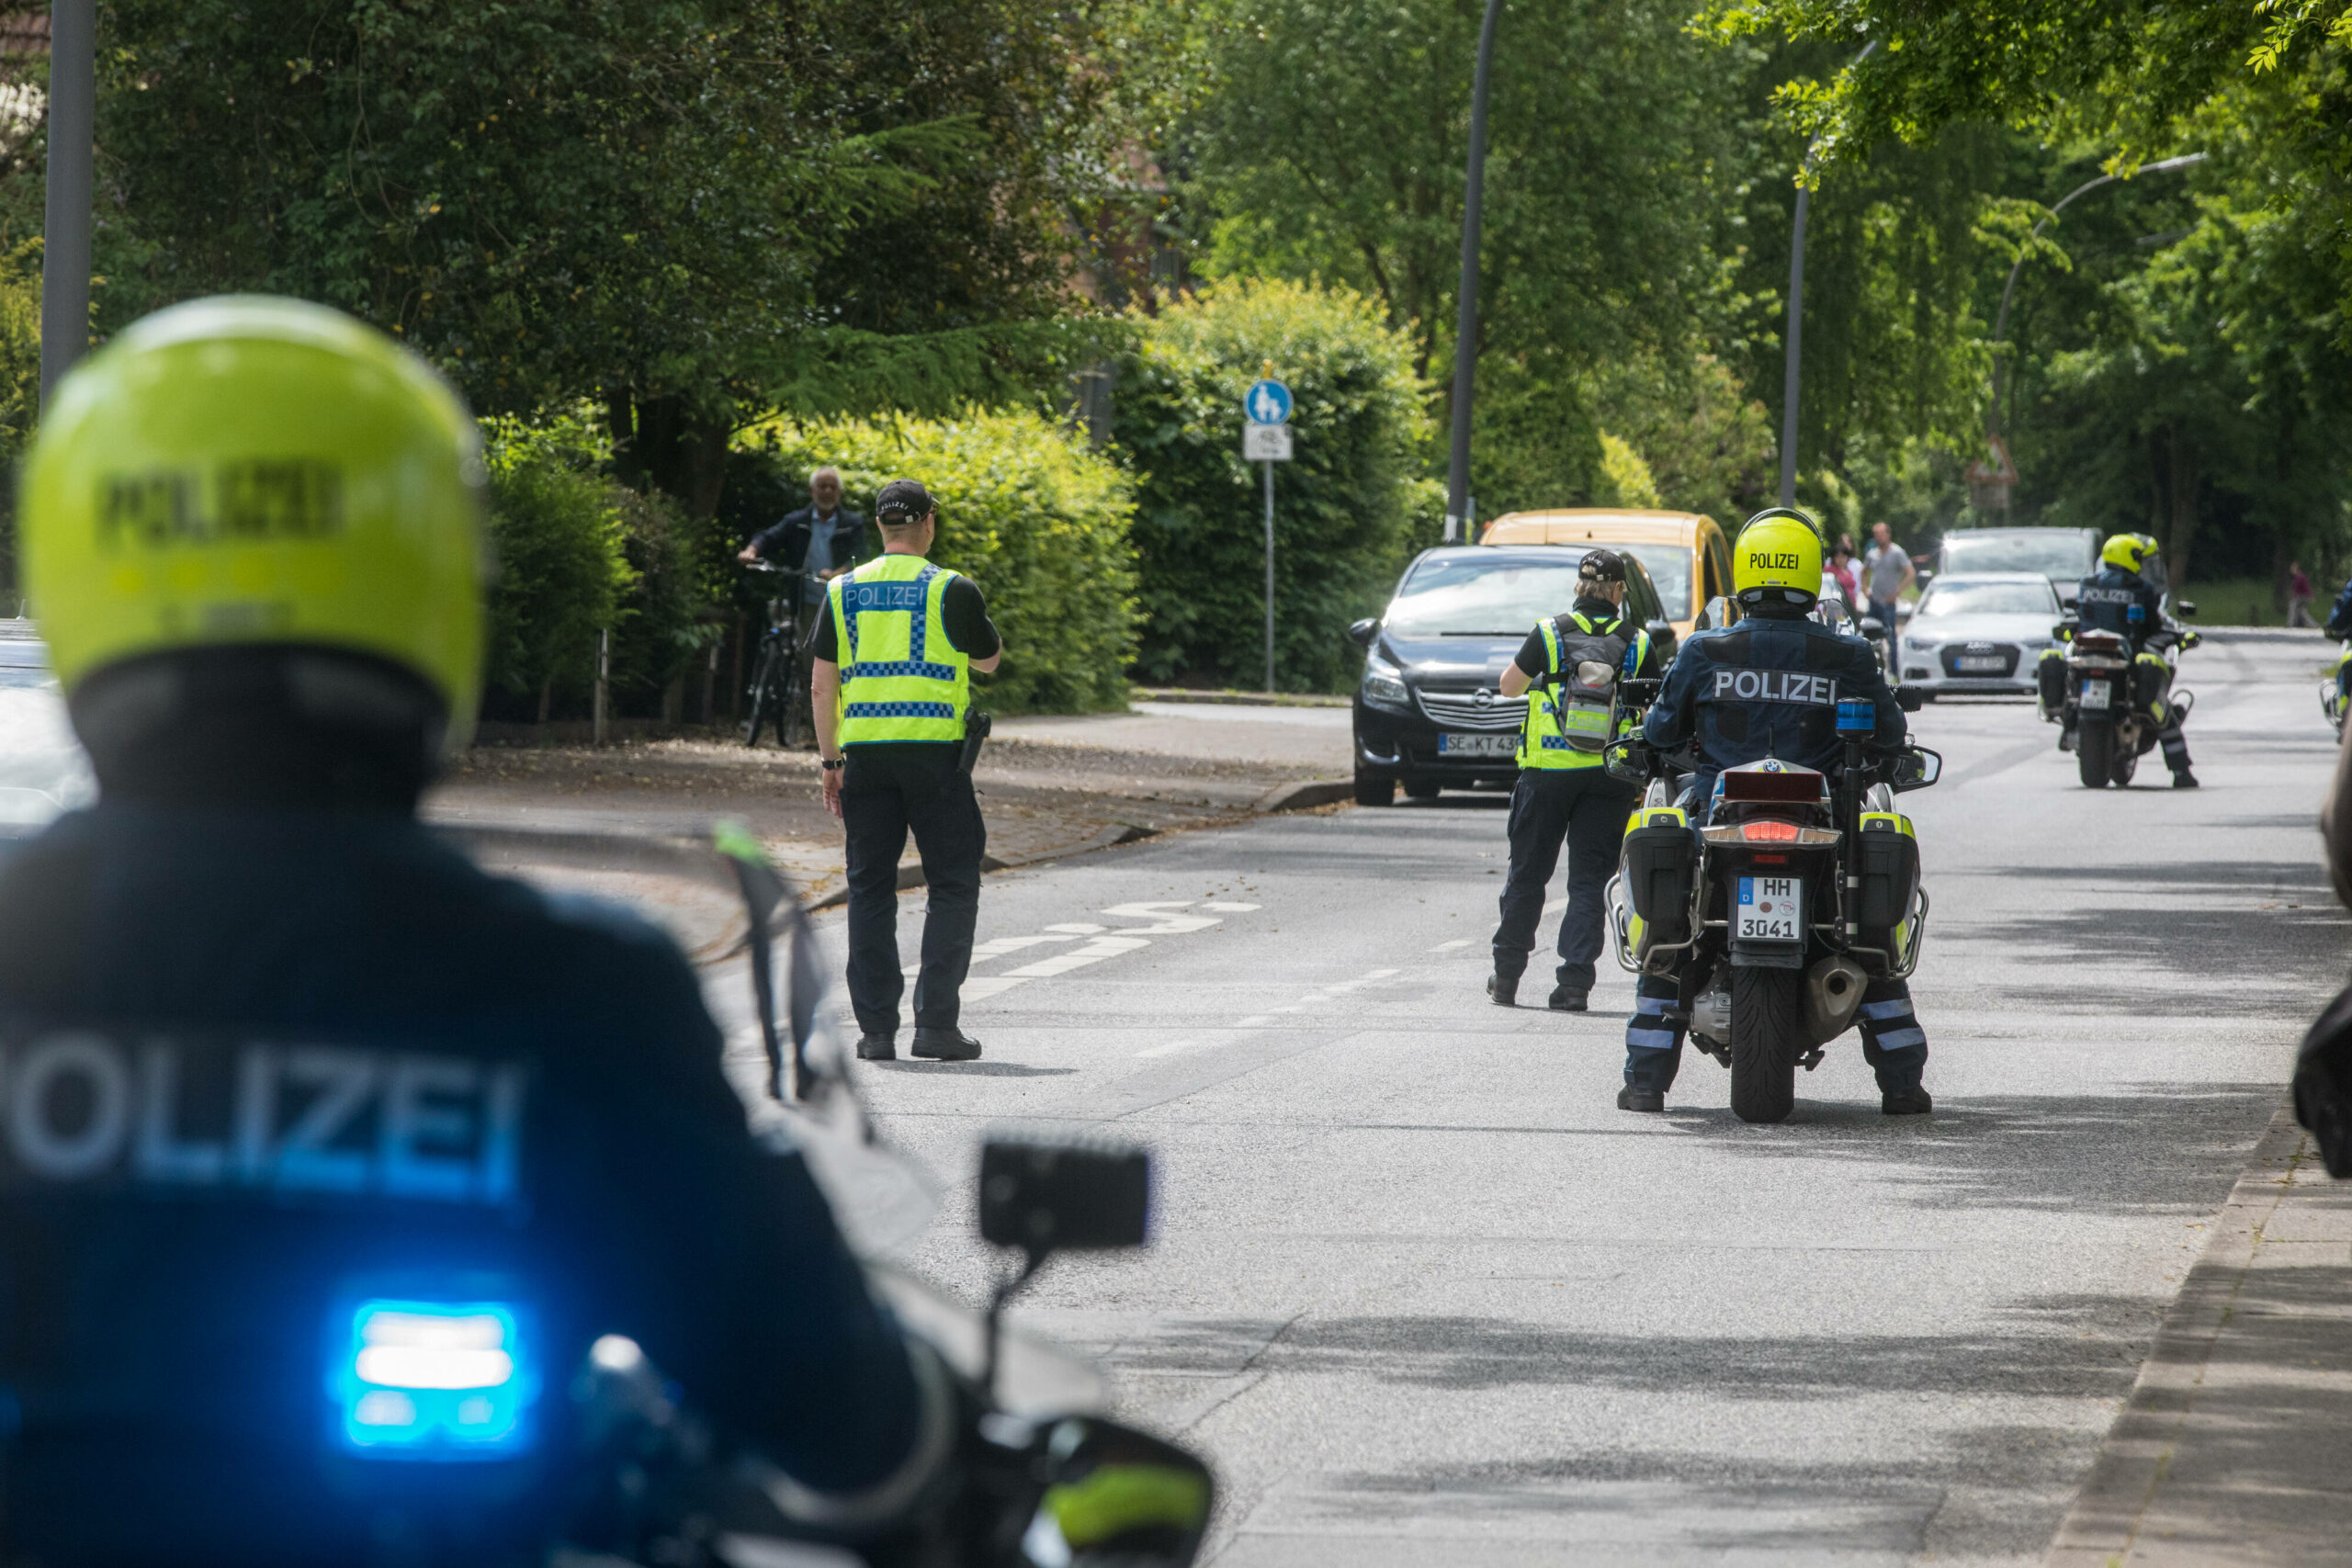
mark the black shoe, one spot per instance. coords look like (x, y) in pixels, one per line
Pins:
(945, 1044)
(1564, 1000)
(1501, 992)
(1631, 1099)
(878, 1048)
(1909, 1102)
(2183, 779)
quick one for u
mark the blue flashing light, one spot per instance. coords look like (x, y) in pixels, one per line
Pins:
(435, 1381)
(1857, 716)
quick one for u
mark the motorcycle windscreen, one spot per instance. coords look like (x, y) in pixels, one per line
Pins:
(769, 985)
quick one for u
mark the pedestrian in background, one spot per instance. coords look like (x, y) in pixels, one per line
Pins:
(2299, 595)
(1841, 567)
(890, 685)
(1569, 667)
(1886, 572)
(821, 540)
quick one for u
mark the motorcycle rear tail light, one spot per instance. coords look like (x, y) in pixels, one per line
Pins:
(1767, 831)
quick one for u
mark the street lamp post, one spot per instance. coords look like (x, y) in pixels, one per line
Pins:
(65, 226)
(1465, 326)
(1789, 379)
(2001, 318)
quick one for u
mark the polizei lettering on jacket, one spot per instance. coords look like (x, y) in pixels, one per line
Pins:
(2095, 595)
(1774, 686)
(83, 1107)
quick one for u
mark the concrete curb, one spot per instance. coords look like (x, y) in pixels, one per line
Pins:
(1239, 699)
(911, 875)
(1300, 793)
(2263, 634)
(2181, 1443)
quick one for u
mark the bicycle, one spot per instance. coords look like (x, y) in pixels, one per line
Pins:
(779, 688)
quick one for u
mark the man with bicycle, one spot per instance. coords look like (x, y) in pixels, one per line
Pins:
(890, 683)
(820, 541)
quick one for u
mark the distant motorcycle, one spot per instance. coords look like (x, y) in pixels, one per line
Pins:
(2111, 705)
(1794, 892)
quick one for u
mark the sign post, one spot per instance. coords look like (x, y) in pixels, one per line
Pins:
(1265, 439)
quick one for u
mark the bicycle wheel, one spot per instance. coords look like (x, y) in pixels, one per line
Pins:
(798, 724)
(763, 693)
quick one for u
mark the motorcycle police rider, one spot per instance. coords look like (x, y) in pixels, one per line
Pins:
(2119, 597)
(1739, 695)
(1569, 668)
(265, 1042)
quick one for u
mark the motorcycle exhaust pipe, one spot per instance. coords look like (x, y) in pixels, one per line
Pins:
(1833, 994)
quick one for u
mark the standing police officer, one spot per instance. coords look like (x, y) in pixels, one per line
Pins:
(1776, 573)
(1569, 668)
(2118, 598)
(892, 688)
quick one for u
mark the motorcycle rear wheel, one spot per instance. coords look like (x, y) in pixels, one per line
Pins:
(1767, 1011)
(2126, 763)
(2094, 752)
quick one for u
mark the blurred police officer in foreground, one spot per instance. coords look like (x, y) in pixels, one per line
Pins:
(2119, 597)
(1569, 667)
(892, 692)
(283, 1071)
(1776, 575)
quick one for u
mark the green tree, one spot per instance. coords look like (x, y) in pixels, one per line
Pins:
(557, 538)
(678, 208)
(1347, 507)
(1331, 142)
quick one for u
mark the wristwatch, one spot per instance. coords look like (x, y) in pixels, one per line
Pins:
(831, 764)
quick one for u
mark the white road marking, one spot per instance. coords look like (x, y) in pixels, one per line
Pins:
(1233, 909)
(1449, 946)
(1274, 1015)
(1077, 927)
(1103, 942)
(1094, 952)
(999, 946)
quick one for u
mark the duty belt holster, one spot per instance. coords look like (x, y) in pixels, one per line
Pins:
(977, 727)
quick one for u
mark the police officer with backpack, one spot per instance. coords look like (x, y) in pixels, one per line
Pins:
(1569, 668)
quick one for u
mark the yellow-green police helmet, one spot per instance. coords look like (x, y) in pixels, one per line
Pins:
(258, 471)
(2129, 551)
(1777, 549)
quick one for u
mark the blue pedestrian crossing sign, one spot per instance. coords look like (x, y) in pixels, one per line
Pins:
(1267, 404)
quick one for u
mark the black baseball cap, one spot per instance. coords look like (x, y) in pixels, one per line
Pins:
(1601, 566)
(902, 501)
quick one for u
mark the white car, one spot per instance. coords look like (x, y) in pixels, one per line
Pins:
(1979, 632)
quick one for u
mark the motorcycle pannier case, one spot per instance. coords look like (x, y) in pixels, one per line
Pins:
(1661, 866)
(1887, 857)
(2149, 680)
(2050, 673)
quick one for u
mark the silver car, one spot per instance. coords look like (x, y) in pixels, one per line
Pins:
(1979, 632)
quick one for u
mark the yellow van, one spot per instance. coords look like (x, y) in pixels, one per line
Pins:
(1687, 556)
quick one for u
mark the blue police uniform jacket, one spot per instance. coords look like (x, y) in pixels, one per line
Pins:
(2114, 600)
(1769, 686)
(250, 1063)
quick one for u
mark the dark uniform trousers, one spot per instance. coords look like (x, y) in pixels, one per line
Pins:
(888, 789)
(1586, 809)
(1893, 1042)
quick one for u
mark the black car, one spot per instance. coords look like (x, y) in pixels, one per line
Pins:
(1427, 712)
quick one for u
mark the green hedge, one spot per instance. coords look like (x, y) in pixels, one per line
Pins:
(1346, 507)
(1036, 520)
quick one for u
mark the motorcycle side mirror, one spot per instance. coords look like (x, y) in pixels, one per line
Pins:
(1720, 612)
(1050, 1192)
(1910, 699)
(1918, 768)
(1114, 1495)
(1360, 632)
(2186, 607)
(1873, 628)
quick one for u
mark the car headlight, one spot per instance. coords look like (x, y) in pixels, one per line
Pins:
(1384, 686)
(1919, 644)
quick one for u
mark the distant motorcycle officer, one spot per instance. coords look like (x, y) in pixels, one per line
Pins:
(283, 1070)
(1569, 668)
(1738, 694)
(892, 694)
(2119, 597)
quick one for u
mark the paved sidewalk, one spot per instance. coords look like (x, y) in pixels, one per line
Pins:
(2235, 1446)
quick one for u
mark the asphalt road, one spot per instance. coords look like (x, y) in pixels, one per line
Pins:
(1423, 1294)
